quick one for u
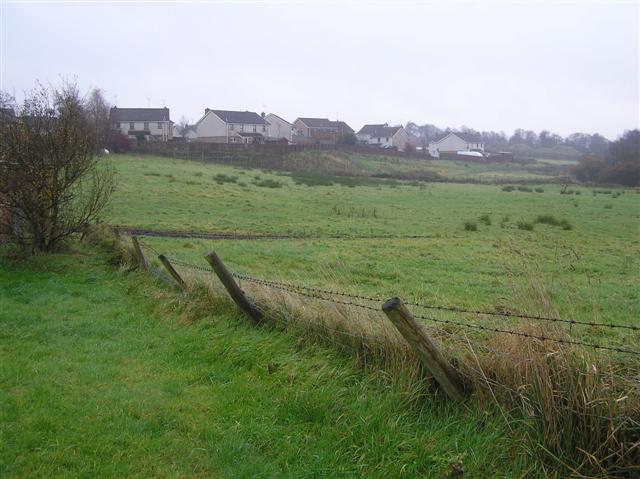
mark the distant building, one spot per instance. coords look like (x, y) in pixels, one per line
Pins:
(384, 136)
(320, 130)
(225, 126)
(453, 142)
(152, 123)
(279, 128)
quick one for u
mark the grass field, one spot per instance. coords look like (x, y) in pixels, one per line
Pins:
(103, 375)
(106, 373)
(589, 271)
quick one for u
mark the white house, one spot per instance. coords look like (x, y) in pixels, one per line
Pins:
(225, 126)
(279, 128)
(454, 142)
(384, 136)
(152, 123)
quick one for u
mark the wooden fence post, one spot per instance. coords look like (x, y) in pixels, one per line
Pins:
(142, 261)
(165, 262)
(425, 347)
(233, 289)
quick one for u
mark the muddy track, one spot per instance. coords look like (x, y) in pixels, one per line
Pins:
(220, 235)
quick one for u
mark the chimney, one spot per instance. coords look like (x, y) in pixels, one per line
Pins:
(206, 110)
(262, 114)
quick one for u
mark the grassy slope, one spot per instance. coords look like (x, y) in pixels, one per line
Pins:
(590, 271)
(101, 378)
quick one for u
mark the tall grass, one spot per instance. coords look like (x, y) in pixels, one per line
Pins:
(578, 410)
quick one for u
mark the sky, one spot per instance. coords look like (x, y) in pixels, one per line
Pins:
(563, 66)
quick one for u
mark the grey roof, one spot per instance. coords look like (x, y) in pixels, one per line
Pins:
(369, 129)
(280, 118)
(324, 123)
(247, 117)
(468, 137)
(139, 114)
(379, 130)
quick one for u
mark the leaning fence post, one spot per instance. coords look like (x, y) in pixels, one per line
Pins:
(425, 347)
(233, 289)
(142, 261)
(165, 262)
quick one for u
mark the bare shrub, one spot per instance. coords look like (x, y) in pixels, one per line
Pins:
(50, 180)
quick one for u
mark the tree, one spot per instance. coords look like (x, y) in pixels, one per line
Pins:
(183, 124)
(51, 182)
(98, 109)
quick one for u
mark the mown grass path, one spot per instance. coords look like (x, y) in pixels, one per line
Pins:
(103, 376)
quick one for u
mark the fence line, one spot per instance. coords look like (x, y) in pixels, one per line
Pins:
(322, 294)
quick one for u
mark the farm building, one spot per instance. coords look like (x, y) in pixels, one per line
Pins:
(453, 142)
(151, 123)
(226, 126)
(384, 136)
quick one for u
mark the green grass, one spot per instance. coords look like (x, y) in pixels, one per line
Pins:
(105, 375)
(589, 272)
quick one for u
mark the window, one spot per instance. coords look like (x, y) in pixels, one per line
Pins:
(254, 128)
(118, 125)
(146, 125)
(132, 126)
(231, 127)
(232, 139)
(159, 126)
(242, 127)
(263, 128)
(386, 139)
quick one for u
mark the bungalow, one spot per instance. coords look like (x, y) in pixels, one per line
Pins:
(225, 126)
(279, 128)
(384, 136)
(152, 123)
(453, 142)
(320, 130)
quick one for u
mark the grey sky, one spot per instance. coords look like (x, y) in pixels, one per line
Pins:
(566, 67)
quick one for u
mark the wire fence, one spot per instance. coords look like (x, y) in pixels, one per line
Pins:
(362, 301)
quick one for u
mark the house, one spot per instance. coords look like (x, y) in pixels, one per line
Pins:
(151, 123)
(384, 136)
(226, 126)
(279, 128)
(320, 131)
(453, 142)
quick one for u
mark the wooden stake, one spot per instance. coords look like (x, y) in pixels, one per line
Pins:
(165, 262)
(233, 289)
(425, 347)
(142, 261)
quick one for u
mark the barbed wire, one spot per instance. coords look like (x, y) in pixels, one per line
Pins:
(528, 335)
(442, 308)
(322, 294)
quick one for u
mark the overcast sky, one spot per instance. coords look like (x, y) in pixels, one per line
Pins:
(565, 67)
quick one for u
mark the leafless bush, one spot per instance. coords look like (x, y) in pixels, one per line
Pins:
(51, 183)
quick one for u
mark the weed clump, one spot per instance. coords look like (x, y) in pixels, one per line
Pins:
(485, 219)
(222, 178)
(508, 188)
(268, 183)
(553, 221)
(523, 225)
(539, 190)
(526, 189)
(470, 226)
